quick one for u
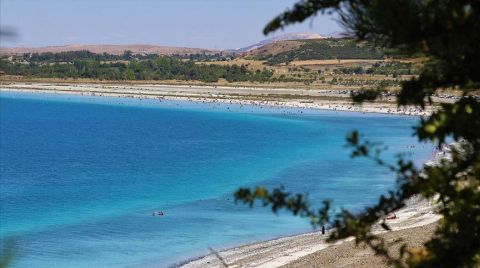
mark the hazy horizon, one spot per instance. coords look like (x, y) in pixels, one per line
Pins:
(211, 24)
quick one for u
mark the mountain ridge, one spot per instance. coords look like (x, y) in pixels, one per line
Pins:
(284, 37)
(111, 49)
(159, 49)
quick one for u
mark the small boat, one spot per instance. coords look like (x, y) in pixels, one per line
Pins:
(157, 213)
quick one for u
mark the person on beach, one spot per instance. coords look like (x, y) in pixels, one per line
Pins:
(323, 230)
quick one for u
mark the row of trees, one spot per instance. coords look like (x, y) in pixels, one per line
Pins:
(390, 68)
(161, 68)
(69, 56)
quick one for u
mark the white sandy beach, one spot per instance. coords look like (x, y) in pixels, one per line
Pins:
(289, 98)
(285, 250)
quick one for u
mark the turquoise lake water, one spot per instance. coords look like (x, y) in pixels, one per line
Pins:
(80, 176)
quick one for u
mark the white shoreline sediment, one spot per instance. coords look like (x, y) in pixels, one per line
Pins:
(335, 100)
(284, 250)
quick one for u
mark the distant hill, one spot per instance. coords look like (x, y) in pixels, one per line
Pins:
(277, 50)
(111, 49)
(285, 37)
(314, 49)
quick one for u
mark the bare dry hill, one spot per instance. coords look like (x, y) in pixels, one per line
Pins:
(111, 49)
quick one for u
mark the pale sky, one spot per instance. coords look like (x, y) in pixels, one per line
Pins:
(220, 24)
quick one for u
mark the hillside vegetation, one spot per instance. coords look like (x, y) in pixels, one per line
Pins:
(84, 64)
(316, 49)
(315, 63)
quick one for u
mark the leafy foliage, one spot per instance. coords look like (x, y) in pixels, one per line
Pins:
(69, 56)
(84, 64)
(446, 34)
(392, 68)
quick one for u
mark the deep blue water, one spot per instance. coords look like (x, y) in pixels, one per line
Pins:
(80, 176)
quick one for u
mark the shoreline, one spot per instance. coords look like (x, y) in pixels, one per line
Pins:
(418, 218)
(288, 249)
(332, 100)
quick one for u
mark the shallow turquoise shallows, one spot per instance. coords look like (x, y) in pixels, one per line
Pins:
(81, 176)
